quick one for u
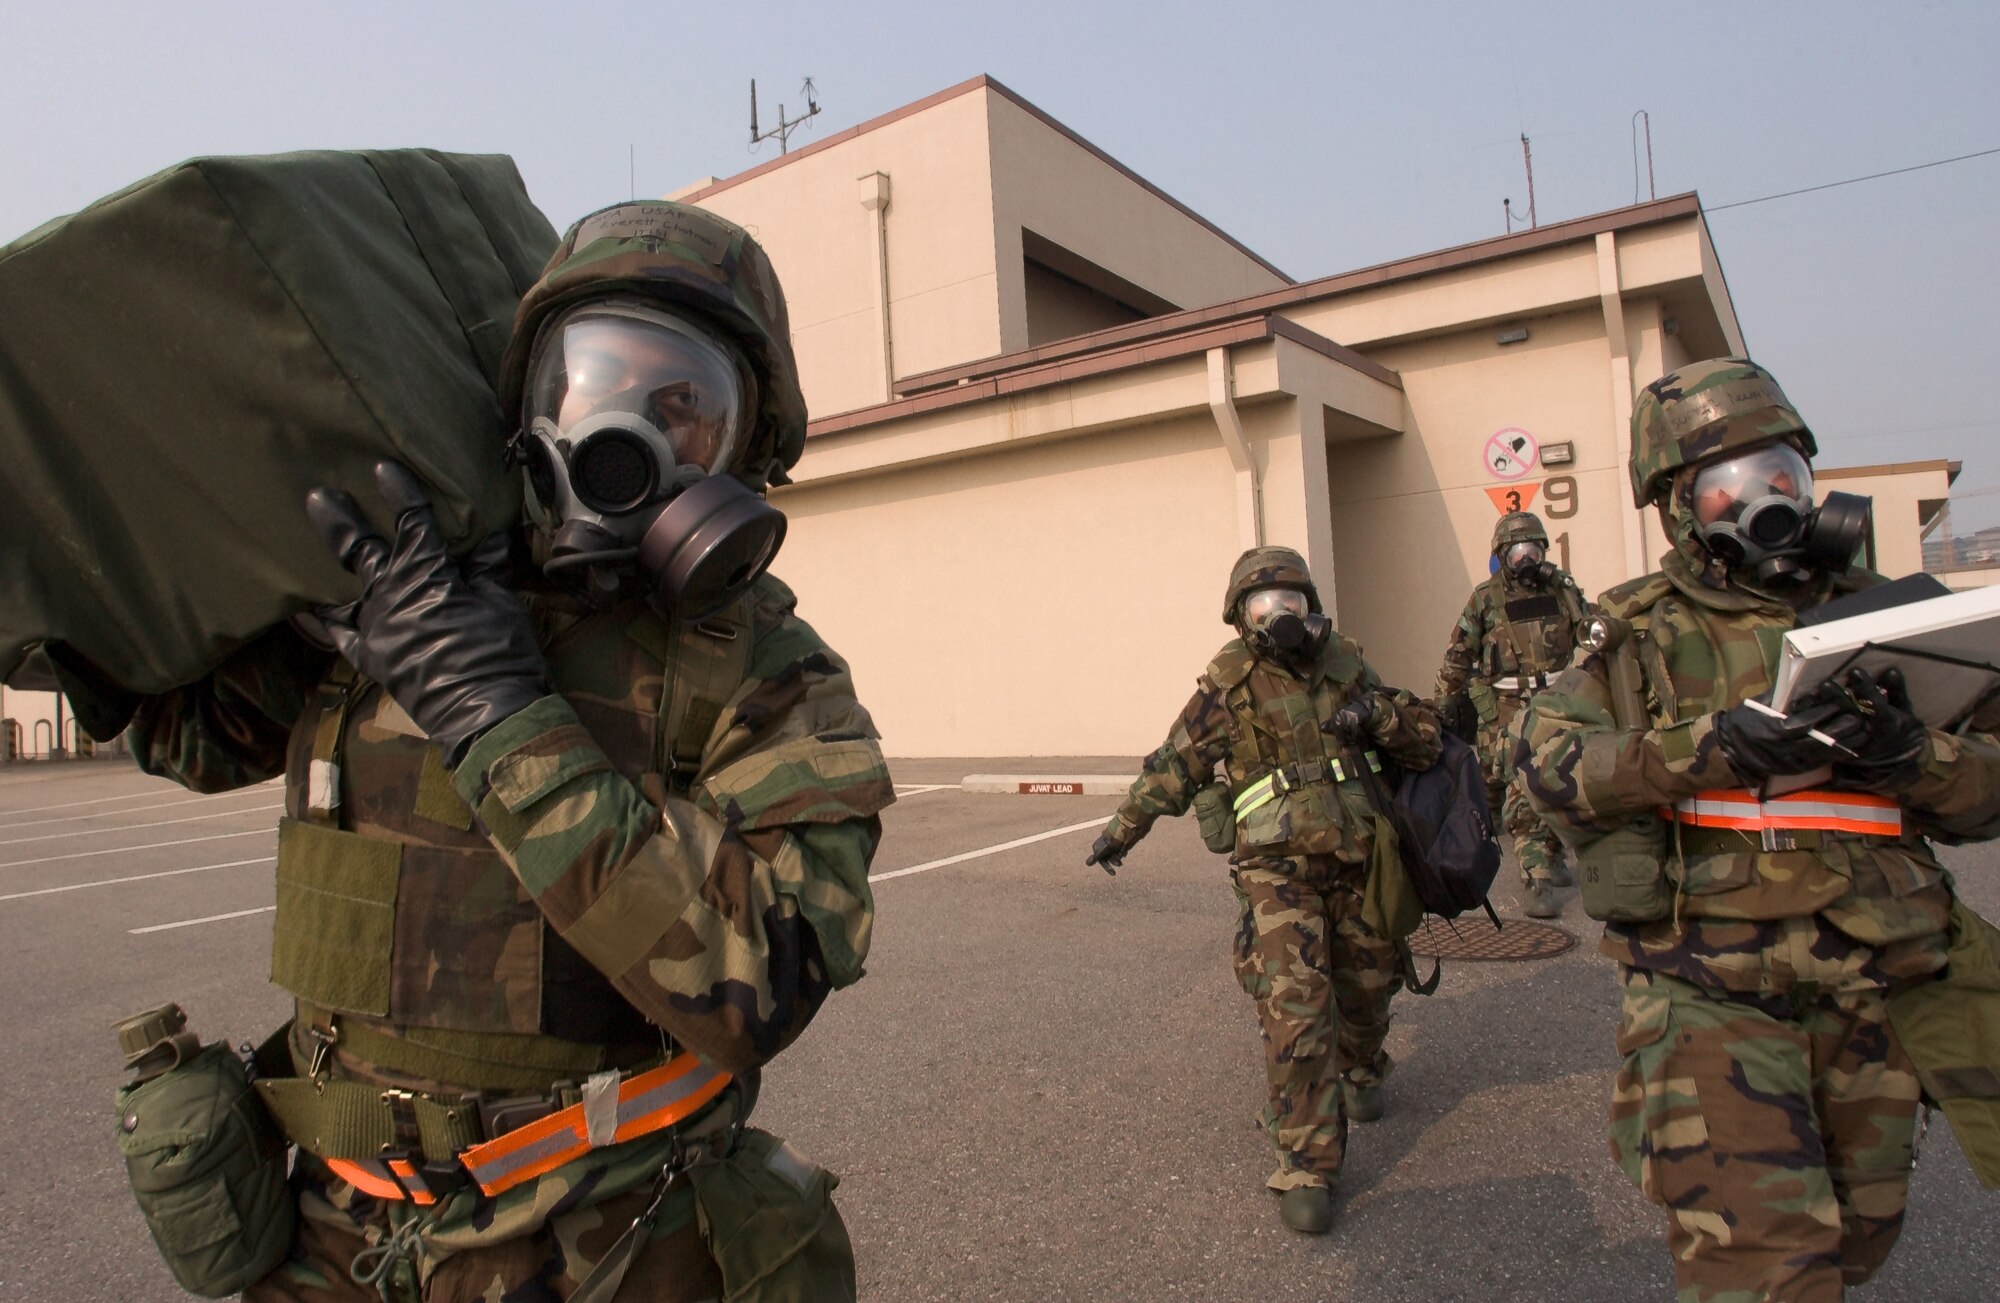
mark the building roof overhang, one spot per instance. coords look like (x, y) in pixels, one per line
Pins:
(1120, 385)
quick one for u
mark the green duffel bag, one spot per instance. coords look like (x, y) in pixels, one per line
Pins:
(182, 361)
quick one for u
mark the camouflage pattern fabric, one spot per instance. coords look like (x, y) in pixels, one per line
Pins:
(695, 262)
(538, 1244)
(1777, 1134)
(231, 729)
(1854, 913)
(1252, 716)
(1322, 980)
(713, 915)
(1508, 630)
(1267, 567)
(1321, 977)
(1705, 408)
(1764, 1101)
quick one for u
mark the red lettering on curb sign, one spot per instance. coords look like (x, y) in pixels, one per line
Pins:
(1052, 789)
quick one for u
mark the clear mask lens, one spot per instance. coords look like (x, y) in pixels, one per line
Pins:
(1519, 555)
(679, 383)
(1725, 492)
(1264, 605)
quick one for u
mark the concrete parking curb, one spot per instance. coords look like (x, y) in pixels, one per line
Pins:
(1047, 784)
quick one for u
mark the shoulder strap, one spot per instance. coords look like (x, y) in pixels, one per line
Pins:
(336, 700)
(704, 662)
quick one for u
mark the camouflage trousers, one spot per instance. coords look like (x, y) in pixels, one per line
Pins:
(1322, 980)
(1778, 1138)
(744, 1244)
(1536, 846)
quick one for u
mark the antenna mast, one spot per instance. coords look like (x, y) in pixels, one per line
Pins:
(1651, 191)
(786, 126)
(1528, 161)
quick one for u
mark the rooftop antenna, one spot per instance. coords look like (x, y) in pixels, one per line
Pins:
(1528, 161)
(1507, 209)
(1651, 192)
(786, 126)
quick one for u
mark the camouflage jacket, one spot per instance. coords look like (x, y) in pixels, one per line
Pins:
(1254, 716)
(1849, 912)
(1507, 631)
(706, 875)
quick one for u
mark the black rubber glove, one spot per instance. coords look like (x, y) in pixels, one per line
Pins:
(446, 640)
(1107, 852)
(1876, 724)
(1460, 716)
(1352, 721)
(1760, 746)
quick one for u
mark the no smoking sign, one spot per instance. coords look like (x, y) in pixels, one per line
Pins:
(1511, 453)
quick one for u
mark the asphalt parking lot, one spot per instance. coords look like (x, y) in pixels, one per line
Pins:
(1044, 1088)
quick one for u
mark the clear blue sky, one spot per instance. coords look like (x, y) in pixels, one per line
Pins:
(1325, 136)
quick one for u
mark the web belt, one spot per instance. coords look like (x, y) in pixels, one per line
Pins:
(1292, 777)
(416, 1147)
(1777, 818)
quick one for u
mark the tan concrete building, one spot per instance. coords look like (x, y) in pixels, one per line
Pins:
(1910, 499)
(1053, 405)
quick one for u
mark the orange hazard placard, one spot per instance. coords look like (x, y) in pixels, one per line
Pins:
(1512, 497)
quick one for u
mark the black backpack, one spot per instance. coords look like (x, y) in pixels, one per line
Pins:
(1445, 831)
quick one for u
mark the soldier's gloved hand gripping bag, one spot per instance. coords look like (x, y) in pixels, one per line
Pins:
(182, 361)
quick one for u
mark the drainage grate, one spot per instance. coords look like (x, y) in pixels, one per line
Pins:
(1474, 937)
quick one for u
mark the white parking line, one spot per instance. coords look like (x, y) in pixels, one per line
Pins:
(100, 800)
(133, 809)
(150, 846)
(192, 922)
(134, 827)
(918, 789)
(137, 877)
(985, 851)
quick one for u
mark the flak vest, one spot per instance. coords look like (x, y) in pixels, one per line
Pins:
(1297, 790)
(1728, 853)
(403, 933)
(1537, 633)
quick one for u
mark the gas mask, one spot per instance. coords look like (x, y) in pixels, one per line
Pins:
(1755, 511)
(1524, 562)
(1281, 621)
(633, 417)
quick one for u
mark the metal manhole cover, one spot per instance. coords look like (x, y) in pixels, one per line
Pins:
(1474, 937)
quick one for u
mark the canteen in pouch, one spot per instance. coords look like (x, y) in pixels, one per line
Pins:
(1215, 815)
(206, 1161)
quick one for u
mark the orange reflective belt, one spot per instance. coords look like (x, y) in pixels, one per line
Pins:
(1739, 809)
(394, 1178)
(648, 1102)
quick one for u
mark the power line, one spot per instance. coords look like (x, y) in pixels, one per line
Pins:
(1872, 176)
(1911, 429)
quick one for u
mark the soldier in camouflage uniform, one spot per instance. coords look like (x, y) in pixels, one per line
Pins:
(555, 851)
(1516, 633)
(1293, 713)
(1764, 1100)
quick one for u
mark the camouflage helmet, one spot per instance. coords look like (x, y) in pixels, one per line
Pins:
(1518, 527)
(694, 262)
(1268, 567)
(1702, 409)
